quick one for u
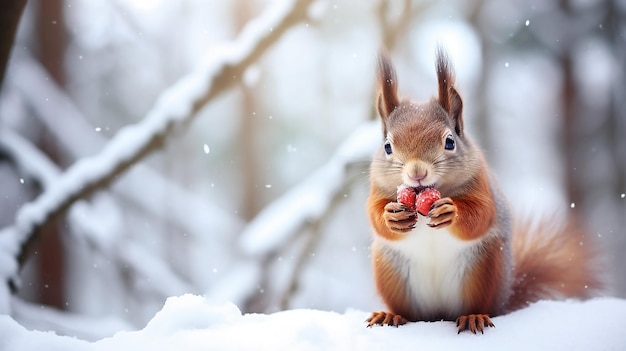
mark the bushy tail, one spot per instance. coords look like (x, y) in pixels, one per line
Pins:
(553, 261)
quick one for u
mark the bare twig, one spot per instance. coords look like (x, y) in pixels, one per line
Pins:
(312, 242)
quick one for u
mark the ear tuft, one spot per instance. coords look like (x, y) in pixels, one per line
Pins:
(449, 98)
(388, 98)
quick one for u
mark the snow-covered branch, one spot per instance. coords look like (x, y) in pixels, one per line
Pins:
(72, 132)
(309, 200)
(283, 222)
(174, 110)
(96, 231)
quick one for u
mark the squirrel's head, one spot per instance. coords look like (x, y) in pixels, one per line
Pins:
(424, 144)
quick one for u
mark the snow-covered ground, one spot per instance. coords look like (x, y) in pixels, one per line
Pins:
(190, 322)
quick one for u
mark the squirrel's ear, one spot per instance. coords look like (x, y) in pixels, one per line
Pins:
(449, 98)
(388, 96)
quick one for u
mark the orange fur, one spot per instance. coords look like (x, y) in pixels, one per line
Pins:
(392, 287)
(375, 208)
(483, 266)
(485, 284)
(476, 210)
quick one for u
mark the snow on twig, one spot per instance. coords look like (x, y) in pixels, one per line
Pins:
(174, 109)
(280, 223)
(310, 199)
(57, 111)
(96, 231)
(65, 121)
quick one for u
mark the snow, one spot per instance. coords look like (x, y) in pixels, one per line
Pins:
(40, 317)
(192, 322)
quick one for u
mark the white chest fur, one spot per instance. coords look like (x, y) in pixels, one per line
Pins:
(434, 262)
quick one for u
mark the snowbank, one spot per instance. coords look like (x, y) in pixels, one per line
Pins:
(190, 322)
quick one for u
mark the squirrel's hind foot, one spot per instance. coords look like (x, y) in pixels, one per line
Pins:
(474, 323)
(385, 318)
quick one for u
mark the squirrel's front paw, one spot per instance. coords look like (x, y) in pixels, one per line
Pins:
(399, 218)
(443, 213)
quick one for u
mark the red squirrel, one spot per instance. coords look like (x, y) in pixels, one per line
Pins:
(466, 260)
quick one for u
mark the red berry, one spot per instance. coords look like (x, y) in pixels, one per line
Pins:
(425, 200)
(407, 197)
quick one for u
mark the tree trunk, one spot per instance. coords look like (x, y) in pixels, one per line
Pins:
(10, 13)
(51, 37)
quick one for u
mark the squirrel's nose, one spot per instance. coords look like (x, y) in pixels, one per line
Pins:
(417, 175)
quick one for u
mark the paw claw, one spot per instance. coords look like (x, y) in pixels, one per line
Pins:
(399, 218)
(474, 323)
(385, 318)
(443, 213)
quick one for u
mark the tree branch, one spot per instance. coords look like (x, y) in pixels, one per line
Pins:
(37, 167)
(282, 223)
(175, 109)
(75, 136)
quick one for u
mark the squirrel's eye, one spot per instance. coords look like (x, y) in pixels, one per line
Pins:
(449, 143)
(388, 150)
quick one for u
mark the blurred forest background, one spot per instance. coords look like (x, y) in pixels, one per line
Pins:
(255, 194)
